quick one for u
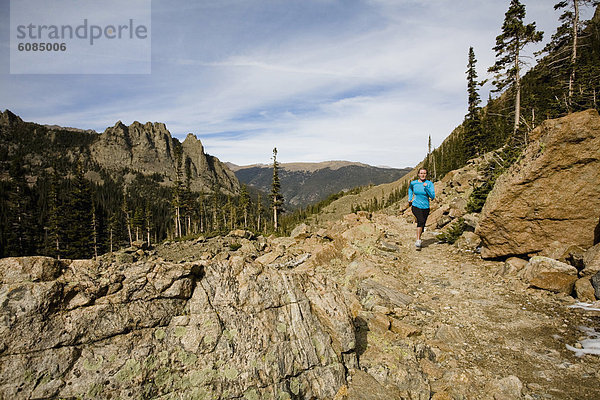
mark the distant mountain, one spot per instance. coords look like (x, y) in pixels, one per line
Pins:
(306, 183)
(146, 148)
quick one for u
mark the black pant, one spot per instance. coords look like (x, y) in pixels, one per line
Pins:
(421, 214)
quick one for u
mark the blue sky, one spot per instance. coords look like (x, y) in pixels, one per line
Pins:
(357, 80)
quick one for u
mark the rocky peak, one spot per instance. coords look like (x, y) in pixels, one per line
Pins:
(192, 146)
(8, 118)
(148, 148)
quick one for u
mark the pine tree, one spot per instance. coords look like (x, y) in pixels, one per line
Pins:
(54, 219)
(127, 219)
(94, 230)
(258, 212)
(112, 229)
(276, 196)
(244, 204)
(215, 207)
(473, 140)
(188, 198)
(177, 190)
(20, 219)
(138, 222)
(509, 45)
(563, 48)
(79, 235)
(201, 211)
(148, 215)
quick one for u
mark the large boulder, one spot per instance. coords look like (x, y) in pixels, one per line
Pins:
(551, 194)
(155, 329)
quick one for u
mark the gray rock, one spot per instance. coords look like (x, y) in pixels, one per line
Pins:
(300, 231)
(471, 220)
(458, 207)
(365, 387)
(449, 335)
(585, 290)
(385, 246)
(596, 284)
(29, 269)
(374, 293)
(512, 266)
(591, 261)
(574, 256)
(468, 241)
(528, 209)
(508, 388)
(149, 147)
(153, 329)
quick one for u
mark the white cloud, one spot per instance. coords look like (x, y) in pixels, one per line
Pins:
(368, 83)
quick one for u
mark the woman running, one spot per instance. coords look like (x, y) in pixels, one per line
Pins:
(419, 193)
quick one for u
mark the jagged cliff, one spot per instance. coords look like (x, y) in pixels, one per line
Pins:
(146, 148)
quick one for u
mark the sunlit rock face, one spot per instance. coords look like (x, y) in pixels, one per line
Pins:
(550, 195)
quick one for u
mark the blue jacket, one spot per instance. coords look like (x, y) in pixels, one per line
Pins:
(422, 192)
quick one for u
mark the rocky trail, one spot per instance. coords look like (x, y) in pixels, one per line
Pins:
(489, 335)
(346, 310)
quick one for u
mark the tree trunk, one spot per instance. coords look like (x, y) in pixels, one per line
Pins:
(518, 95)
(177, 223)
(95, 233)
(573, 53)
(148, 232)
(129, 229)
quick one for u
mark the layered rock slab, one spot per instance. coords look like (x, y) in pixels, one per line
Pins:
(550, 195)
(154, 329)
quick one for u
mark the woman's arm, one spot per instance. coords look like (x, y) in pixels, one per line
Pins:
(430, 189)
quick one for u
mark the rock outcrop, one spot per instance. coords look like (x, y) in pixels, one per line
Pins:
(547, 273)
(550, 195)
(226, 328)
(149, 148)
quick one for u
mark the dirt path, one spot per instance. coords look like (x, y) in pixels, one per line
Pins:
(486, 327)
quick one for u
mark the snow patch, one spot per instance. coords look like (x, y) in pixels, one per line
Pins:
(591, 345)
(586, 306)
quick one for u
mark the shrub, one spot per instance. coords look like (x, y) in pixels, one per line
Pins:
(454, 232)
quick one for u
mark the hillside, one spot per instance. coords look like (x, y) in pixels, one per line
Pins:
(308, 183)
(74, 193)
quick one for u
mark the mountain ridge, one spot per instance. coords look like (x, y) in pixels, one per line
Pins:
(303, 184)
(308, 166)
(147, 147)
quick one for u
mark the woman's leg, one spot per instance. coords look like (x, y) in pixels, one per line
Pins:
(421, 215)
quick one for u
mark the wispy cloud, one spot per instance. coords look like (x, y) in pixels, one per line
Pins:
(365, 80)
